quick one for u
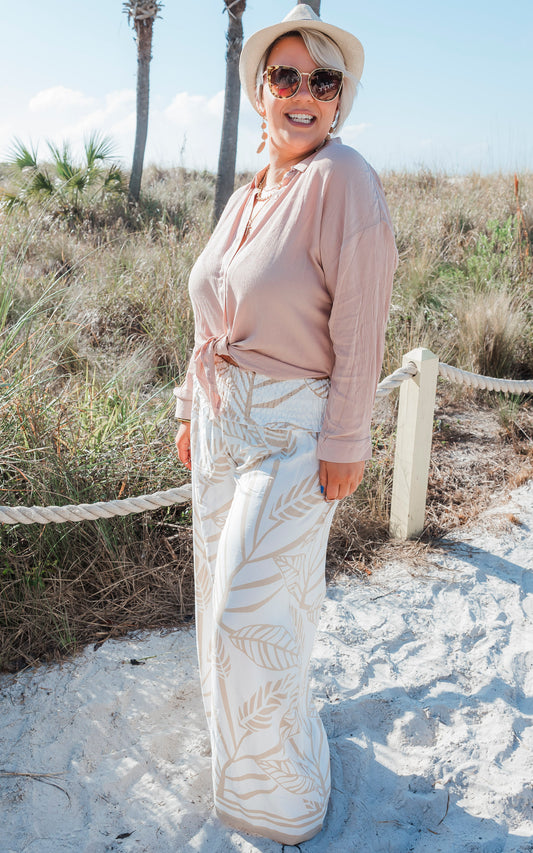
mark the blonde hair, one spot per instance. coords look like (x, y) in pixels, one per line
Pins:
(327, 54)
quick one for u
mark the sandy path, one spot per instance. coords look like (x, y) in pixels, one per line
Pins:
(424, 680)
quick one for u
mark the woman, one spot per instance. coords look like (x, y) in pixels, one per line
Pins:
(290, 299)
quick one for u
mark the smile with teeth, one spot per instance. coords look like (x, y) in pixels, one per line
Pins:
(301, 118)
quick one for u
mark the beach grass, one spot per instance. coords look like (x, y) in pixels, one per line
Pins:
(96, 329)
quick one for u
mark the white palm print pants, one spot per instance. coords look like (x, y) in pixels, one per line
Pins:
(260, 534)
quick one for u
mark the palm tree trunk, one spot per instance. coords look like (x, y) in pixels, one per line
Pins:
(315, 5)
(232, 97)
(144, 30)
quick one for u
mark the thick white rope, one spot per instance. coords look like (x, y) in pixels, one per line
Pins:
(395, 379)
(91, 512)
(487, 383)
(108, 509)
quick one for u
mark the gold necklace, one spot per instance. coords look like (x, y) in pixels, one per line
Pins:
(256, 210)
(262, 193)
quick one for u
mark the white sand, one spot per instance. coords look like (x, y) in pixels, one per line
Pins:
(424, 680)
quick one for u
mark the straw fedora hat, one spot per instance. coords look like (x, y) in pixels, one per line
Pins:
(301, 17)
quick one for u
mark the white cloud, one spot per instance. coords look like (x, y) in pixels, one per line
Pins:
(187, 130)
(122, 126)
(186, 111)
(59, 98)
(121, 98)
(215, 105)
(184, 130)
(59, 113)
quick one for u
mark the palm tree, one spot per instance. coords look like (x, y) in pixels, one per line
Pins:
(315, 5)
(232, 97)
(143, 14)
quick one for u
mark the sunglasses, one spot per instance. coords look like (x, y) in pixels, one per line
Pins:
(284, 81)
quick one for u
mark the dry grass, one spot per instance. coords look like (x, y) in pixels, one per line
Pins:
(124, 575)
(477, 453)
(492, 331)
(95, 328)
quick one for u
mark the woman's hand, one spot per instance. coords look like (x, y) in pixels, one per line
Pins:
(183, 443)
(340, 479)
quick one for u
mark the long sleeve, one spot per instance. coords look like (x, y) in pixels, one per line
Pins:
(359, 258)
(184, 394)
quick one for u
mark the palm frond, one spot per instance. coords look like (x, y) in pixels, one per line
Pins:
(64, 166)
(40, 184)
(98, 148)
(22, 156)
(114, 180)
(12, 201)
(79, 180)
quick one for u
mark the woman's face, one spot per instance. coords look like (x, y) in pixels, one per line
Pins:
(297, 125)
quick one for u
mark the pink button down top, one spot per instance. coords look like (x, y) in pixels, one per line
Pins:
(305, 295)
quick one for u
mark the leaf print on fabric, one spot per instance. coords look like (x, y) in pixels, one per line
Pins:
(291, 448)
(202, 587)
(291, 389)
(245, 434)
(256, 713)
(216, 477)
(315, 608)
(290, 724)
(297, 502)
(222, 657)
(236, 391)
(271, 646)
(211, 461)
(297, 621)
(281, 439)
(289, 774)
(314, 806)
(293, 570)
(319, 387)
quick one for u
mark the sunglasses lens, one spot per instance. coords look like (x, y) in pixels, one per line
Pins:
(284, 81)
(325, 84)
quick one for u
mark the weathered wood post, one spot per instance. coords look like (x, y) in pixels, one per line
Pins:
(413, 445)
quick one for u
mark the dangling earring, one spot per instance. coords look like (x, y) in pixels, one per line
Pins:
(264, 136)
(335, 123)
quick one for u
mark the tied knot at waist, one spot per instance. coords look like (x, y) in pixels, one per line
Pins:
(205, 366)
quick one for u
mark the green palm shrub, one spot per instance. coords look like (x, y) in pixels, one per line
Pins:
(64, 185)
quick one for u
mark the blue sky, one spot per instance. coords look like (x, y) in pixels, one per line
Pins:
(445, 85)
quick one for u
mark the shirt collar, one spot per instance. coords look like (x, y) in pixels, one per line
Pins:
(298, 167)
(302, 166)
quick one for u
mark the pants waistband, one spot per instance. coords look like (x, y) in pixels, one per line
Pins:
(251, 398)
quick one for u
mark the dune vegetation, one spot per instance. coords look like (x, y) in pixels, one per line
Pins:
(96, 329)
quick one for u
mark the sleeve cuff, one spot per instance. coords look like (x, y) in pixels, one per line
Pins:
(344, 450)
(183, 405)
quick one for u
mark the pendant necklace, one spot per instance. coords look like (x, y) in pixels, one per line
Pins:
(261, 195)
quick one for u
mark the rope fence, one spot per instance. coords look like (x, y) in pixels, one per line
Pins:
(485, 383)
(92, 512)
(415, 419)
(395, 380)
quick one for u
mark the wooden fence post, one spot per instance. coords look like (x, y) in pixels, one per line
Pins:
(413, 445)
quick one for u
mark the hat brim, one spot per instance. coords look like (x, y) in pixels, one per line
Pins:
(256, 45)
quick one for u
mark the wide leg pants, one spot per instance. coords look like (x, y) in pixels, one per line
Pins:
(260, 534)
